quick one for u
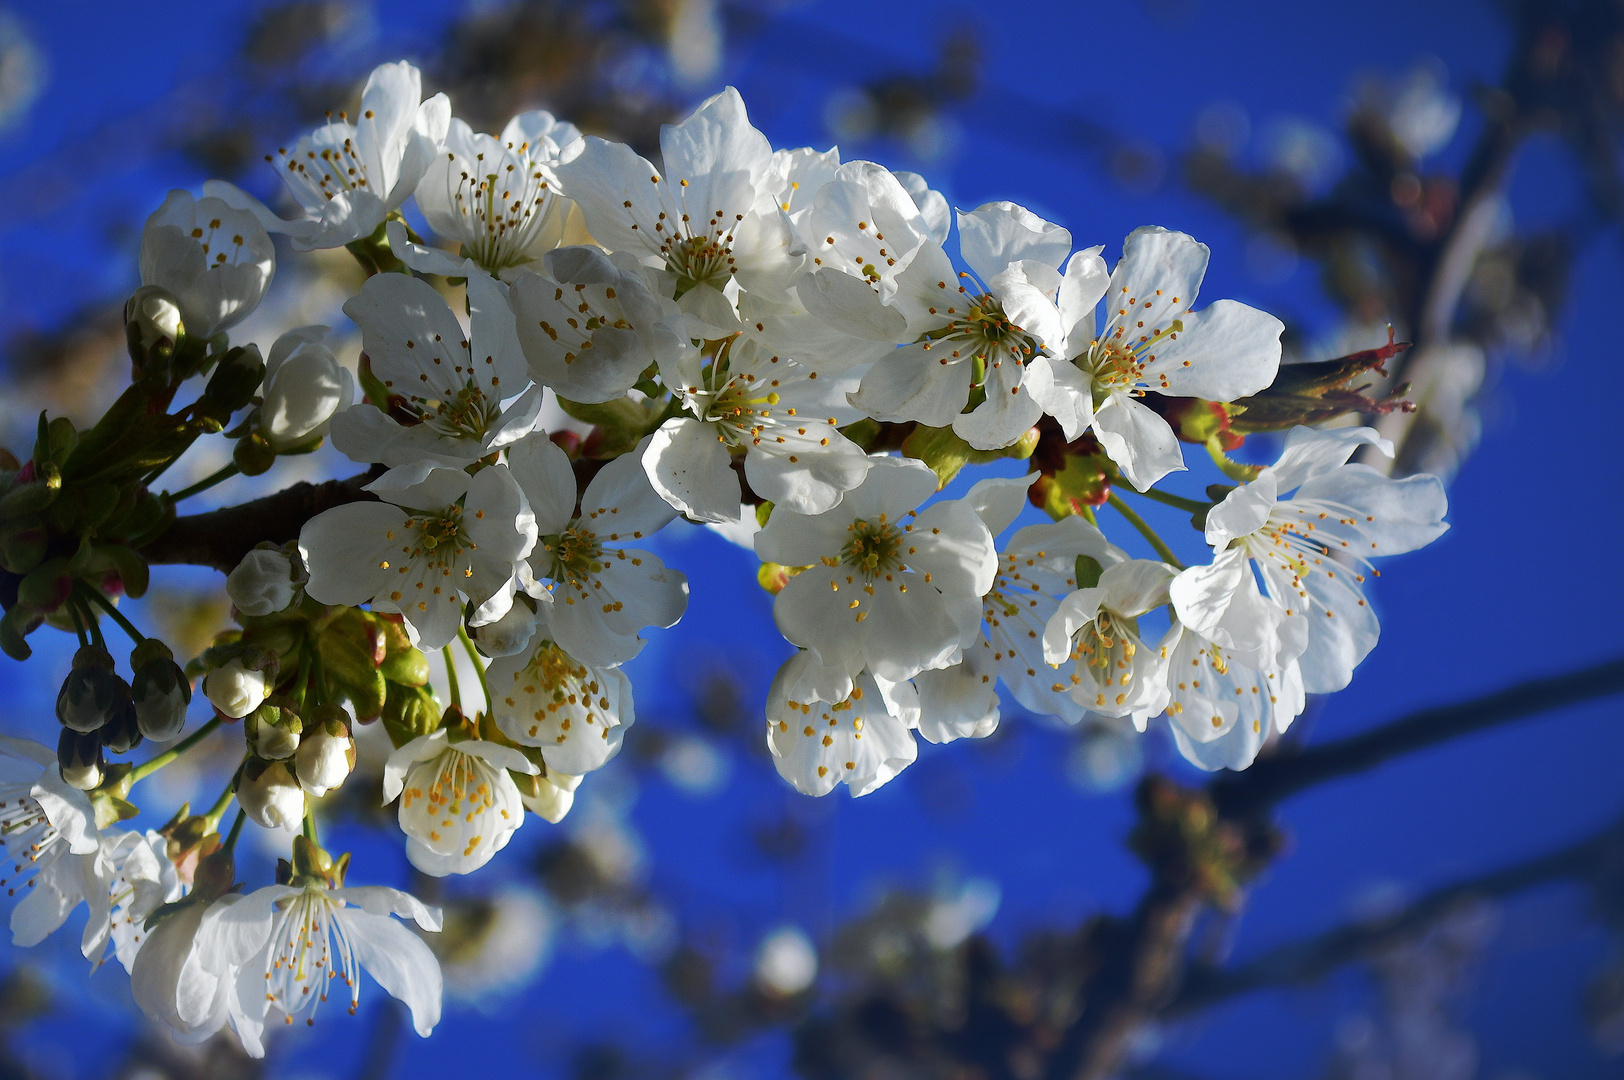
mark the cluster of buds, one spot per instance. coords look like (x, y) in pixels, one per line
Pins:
(100, 711)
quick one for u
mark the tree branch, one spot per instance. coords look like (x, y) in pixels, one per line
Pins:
(1270, 780)
(220, 538)
(1318, 955)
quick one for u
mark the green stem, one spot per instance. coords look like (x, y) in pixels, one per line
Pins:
(1146, 531)
(91, 622)
(451, 676)
(236, 831)
(479, 664)
(96, 597)
(225, 473)
(1194, 506)
(218, 810)
(310, 822)
(78, 625)
(147, 768)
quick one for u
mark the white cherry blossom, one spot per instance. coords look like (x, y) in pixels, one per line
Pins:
(963, 339)
(192, 992)
(1224, 704)
(575, 714)
(783, 414)
(1151, 340)
(604, 592)
(305, 386)
(348, 176)
(861, 739)
(1313, 549)
(458, 393)
(711, 218)
(1113, 671)
(497, 195)
(49, 844)
(215, 260)
(590, 326)
(888, 587)
(458, 805)
(438, 540)
(1036, 570)
(141, 879)
(286, 943)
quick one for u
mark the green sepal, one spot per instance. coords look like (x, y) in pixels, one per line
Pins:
(1088, 571)
(15, 625)
(23, 542)
(947, 454)
(128, 564)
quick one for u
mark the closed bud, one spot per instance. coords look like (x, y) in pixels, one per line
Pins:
(263, 582)
(409, 711)
(233, 383)
(304, 386)
(269, 795)
(549, 797)
(91, 692)
(122, 732)
(273, 731)
(160, 692)
(236, 689)
(327, 752)
(152, 321)
(253, 455)
(80, 756)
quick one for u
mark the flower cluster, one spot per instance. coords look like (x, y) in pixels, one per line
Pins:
(748, 336)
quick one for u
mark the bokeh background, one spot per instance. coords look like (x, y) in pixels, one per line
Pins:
(693, 917)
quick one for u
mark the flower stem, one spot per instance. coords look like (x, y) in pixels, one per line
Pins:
(221, 474)
(147, 768)
(310, 822)
(78, 625)
(1146, 531)
(1194, 506)
(217, 811)
(95, 595)
(479, 664)
(451, 676)
(236, 831)
(76, 600)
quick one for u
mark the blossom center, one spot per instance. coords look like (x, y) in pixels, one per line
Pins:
(984, 335)
(505, 211)
(1104, 650)
(441, 535)
(302, 959)
(706, 259)
(30, 841)
(873, 547)
(577, 554)
(469, 414)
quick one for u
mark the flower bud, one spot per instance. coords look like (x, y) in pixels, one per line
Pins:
(304, 386)
(90, 693)
(235, 689)
(161, 691)
(152, 325)
(273, 731)
(233, 383)
(80, 756)
(269, 795)
(122, 732)
(550, 796)
(327, 754)
(262, 583)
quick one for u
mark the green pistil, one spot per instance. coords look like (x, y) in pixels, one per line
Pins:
(873, 548)
(576, 553)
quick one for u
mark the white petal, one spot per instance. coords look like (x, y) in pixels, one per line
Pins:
(1138, 440)
(400, 962)
(690, 467)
